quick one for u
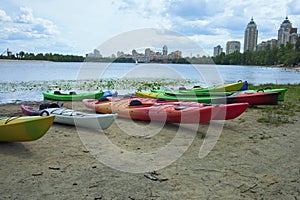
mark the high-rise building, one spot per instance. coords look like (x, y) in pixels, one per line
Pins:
(147, 52)
(218, 50)
(286, 33)
(165, 50)
(233, 46)
(250, 38)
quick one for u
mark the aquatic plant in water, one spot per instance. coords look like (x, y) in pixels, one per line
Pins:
(93, 85)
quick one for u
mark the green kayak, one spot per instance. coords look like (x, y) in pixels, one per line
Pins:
(252, 98)
(197, 93)
(71, 96)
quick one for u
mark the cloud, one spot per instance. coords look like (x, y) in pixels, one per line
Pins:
(25, 28)
(294, 7)
(4, 17)
(194, 10)
(80, 26)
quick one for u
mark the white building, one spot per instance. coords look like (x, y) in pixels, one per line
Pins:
(217, 50)
(233, 46)
(251, 35)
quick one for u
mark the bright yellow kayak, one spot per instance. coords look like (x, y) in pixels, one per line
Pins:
(232, 87)
(29, 128)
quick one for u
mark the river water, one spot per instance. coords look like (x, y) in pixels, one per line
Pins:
(24, 81)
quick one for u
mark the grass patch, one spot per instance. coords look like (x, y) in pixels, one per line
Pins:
(284, 112)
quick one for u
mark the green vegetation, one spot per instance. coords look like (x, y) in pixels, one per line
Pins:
(288, 55)
(285, 111)
(47, 56)
(130, 85)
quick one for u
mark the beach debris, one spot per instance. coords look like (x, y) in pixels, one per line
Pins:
(151, 177)
(154, 176)
(98, 197)
(251, 189)
(54, 168)
(37, 174)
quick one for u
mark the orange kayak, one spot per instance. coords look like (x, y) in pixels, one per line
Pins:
(170, 111)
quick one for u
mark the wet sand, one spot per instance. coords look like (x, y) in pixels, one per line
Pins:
(251, 160)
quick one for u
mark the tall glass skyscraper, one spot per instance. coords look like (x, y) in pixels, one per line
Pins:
(286, 33)
(251, 34)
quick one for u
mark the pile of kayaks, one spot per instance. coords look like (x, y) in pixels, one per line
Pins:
(165, 111)
(196, 105)
(216, 96)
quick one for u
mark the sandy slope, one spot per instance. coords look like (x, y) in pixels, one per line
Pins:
(250, 161)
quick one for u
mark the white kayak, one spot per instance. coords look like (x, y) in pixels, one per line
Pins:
(80, 119)
(72, 117)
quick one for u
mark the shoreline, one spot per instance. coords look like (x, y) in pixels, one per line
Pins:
(19, 60)
(297, 68)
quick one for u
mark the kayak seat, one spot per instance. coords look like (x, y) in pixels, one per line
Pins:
(103, 99)
(135, 103)
(56, 92)
(180, 107)
(48, 105)
(161, 100)
(53, 105)
(72, 93)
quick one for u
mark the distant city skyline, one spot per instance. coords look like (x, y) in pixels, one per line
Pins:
(77, 26)
(286, 34)
(148, 55)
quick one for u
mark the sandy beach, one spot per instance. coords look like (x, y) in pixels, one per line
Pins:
(250, 160)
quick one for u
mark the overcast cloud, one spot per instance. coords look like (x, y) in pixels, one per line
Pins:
(77, 26)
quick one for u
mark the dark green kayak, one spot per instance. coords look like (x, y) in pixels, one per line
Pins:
(253, 98)
(72, 96)
(197, 93)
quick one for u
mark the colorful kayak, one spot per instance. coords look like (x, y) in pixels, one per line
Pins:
(71, 96)
(21, 129)
(72, 117)
(253, 98)
(121, 105)
(232, 87)
(282, 92)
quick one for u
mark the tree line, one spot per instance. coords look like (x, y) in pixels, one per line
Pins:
(285, 55)
(40, 56)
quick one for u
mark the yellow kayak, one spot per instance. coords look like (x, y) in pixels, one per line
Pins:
(232, 87)
(29, 128)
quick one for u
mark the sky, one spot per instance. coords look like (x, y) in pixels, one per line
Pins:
(77, 26)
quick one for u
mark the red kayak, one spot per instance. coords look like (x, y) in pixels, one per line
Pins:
(254, 98)
(139, 108)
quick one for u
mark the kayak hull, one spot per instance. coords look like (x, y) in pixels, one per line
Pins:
(187, 93)
(73, 118)
(120, 106)
(21, 129)
(253, 98)
(71, 97)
